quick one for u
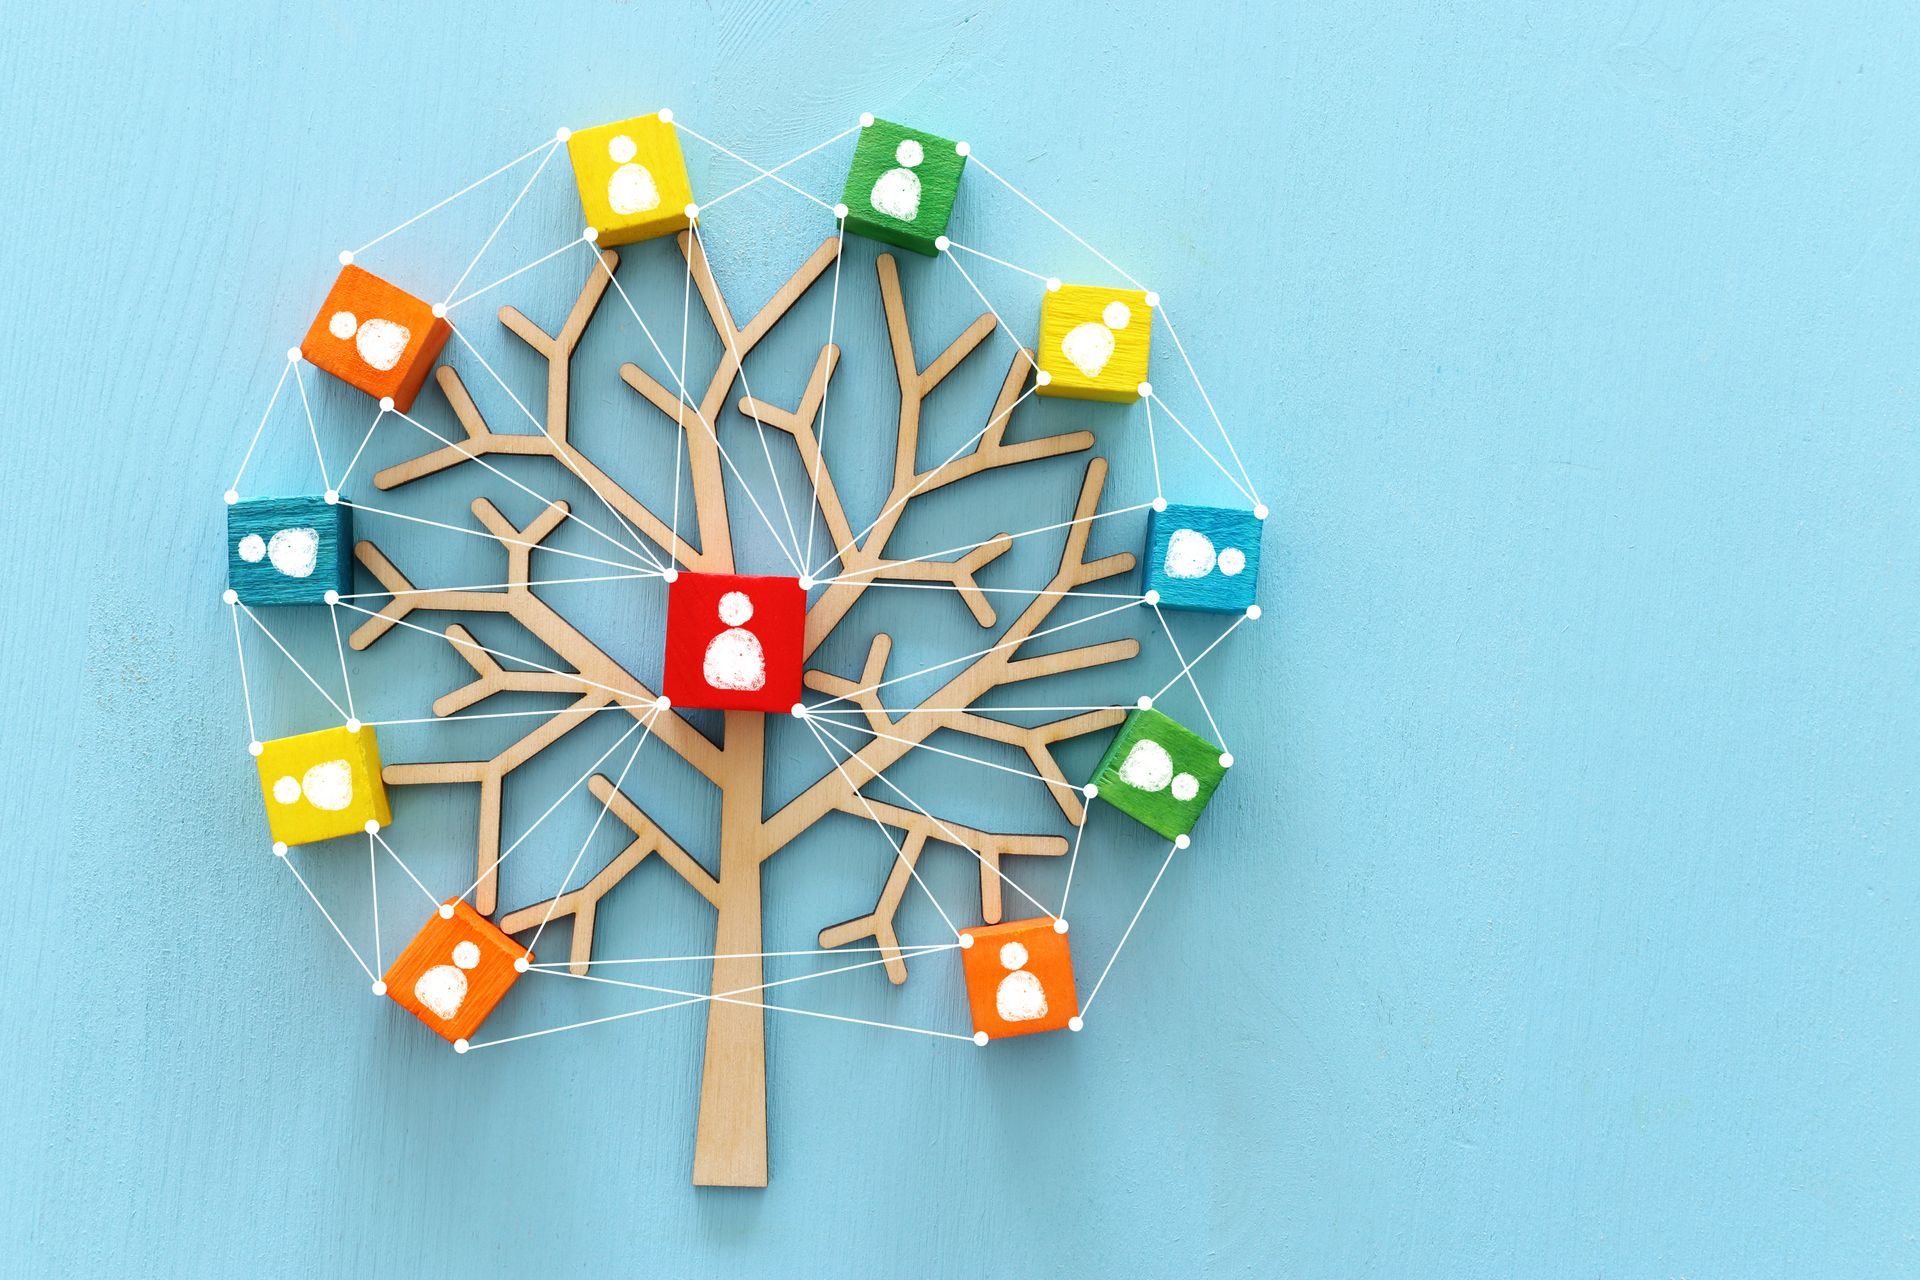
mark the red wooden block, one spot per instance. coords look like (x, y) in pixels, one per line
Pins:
(733, 642)
(454, 971)
(1019, 978)
(375, 336)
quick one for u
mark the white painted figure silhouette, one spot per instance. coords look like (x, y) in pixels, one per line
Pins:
(1190, 555)
(1090, 345)
(327, 785)
(734, 658)
(631, 189)
(1019, 998)
(380, 343)
(1148, 767)
(294, 552)
(897, 192)
(443, 988)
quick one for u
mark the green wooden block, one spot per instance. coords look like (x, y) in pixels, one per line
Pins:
(1159, 772)
(902, 184)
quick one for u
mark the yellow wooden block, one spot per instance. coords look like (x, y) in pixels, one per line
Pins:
(321, 785)
(632, 178)
(1094, 342)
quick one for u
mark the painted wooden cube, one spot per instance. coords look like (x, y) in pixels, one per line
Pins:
(734, 642)
(902, 185)
(1203, 558)
(1019, 978)
(1094, 342)
(375, 336)
(289, 550)
(454, 971)
(321, 785)
(1159, 772)
(632, 179)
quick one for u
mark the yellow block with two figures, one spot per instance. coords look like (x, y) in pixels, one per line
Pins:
(321, 785)
(632, 178)
(1094, 342)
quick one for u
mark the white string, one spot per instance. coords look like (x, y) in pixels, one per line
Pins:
(1011, 266)
(346, 682)
(312, 430)
(373, 880)
(1172, 849)
(543, 258)
(503, 586)
(991, 173)
(964, 547)
(394, 854)
(773, 172)
(1086, 816)
(295, 661)
(364, 442)
(488, 243)
(909, 950)
(554, 713)
(764, 173)
(271, 401)
(482, 533)
(1221, 467)
(826, 389)
(1153, 449)
(521, 158)
(354, 951)
(1201, 387)
(246, 694)
(1186, 669)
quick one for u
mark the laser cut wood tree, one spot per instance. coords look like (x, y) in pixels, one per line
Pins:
(731, 1143)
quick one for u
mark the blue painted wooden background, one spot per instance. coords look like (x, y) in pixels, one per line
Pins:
(1558, 917)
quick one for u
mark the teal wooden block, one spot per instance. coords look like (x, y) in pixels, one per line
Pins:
(289, 550)
(1204, 558)
(902, 184)
(1159, 772)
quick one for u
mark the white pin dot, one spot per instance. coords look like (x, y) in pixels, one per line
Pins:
(230, 596)
(332, 596)
(692, 211)
(1253, 611)
(353, 724)
(980, 1038)
(520, 964)
(279, 848)
(1146, 390)
(461, 1046)
(1144, 702)
(665, 114)
(439, 311)
(293, 355)
(866, 119)
(1059, 925)
(373, 826)
(966, 940)
(664, 703)
(333, 497)
(1042, 378)
(386, 404)
(255, 747)
(346, 257)
(1260, 511)
(1153, 299)
(562, 134)
(1152, 597)
(590, 234)
(962, 149)
(799, 711)
(1053, 284)
(806, 584)
(1181, 842)
(840, 211)
(671, 576)
(1075, 1023)
(231, 496)
(942, 243)
(1226, 759)
(1090, 791)
(379, 987)
(446, 911)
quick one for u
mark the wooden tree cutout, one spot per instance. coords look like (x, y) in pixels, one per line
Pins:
(731, 1141)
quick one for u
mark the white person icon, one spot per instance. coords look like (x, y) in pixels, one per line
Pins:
(443, 988)
(631, 189)
(1019, 997)
(1090, 345)
(734, 658)
(896, 192)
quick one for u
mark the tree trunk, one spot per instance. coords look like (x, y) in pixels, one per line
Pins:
(730, 1149)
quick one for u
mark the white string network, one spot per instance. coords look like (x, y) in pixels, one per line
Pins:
(628, 558)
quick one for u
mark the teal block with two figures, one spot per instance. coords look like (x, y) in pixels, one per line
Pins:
(289, 550)
(1204, 558)
(902, 185)
(1159, 772)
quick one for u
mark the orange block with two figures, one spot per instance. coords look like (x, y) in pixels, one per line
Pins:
(1019, 978)
(375, 336)
(455, 970)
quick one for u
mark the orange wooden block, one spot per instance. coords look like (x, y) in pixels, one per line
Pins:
(375, 336)
(454, 971)
(1019, 978)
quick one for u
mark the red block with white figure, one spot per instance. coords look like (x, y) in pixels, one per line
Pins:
(733, 642)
